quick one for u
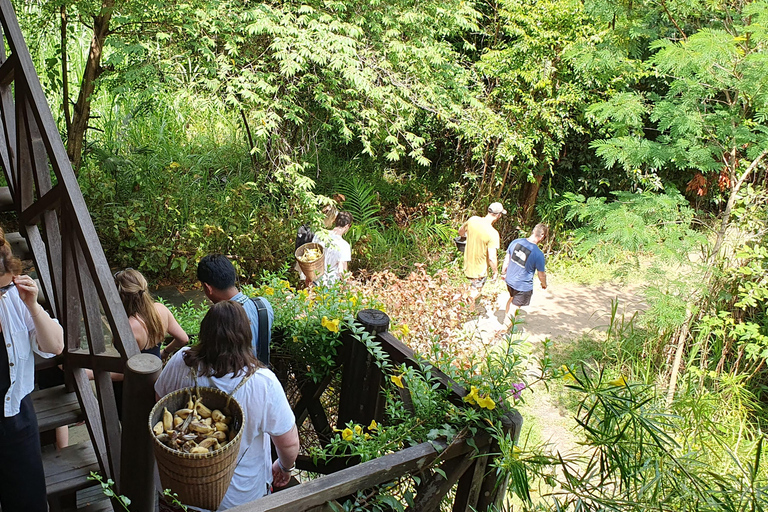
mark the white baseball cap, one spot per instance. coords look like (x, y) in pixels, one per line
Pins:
(497, 208)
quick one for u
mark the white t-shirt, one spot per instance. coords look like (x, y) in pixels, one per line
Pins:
(267, 412)
(337, 250)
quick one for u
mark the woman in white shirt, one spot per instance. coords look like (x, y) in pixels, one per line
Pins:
(25, 327)
(222, 359)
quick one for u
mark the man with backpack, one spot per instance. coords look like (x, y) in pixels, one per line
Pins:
(217, 275)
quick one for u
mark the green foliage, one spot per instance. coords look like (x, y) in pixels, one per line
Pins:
(633, 224)
(189, 315)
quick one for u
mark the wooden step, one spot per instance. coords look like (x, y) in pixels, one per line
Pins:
(6, 200)
(55, 407)
(93, 499)
(19, 245)
(66, 471)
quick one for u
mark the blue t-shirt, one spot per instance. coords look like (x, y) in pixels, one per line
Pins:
(525, 258)
(253, 315)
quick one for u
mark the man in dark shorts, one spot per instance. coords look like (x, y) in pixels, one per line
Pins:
(523, 258)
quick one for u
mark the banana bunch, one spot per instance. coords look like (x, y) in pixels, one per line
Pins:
(310, 255)
(194, 429)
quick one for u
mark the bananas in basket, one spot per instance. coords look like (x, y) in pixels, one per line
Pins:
(310, 255)
(194, 428)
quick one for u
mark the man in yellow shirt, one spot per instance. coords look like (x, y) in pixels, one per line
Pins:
(482, 244)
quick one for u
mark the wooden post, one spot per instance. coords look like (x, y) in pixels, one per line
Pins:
(137, 464)
(361, 379)
(492, 490)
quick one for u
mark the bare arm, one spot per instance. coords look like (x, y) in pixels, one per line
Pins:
(180, 337)
(543, 279)
(493, 263)
(463, 230)
(50, 335)
(505, 264)
(287, 446)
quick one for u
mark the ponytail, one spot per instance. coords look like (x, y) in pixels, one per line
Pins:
(138, 302)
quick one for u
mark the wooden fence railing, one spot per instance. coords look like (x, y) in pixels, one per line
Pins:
(463, 463)
(68, 258)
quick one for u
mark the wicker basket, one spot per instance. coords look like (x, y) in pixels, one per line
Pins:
(200, 479)
(311, 269)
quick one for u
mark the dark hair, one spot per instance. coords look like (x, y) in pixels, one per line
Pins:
(224, 343)
(217, 271)
(8, 262)
(343, 219)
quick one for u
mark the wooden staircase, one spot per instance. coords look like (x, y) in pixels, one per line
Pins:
(56, 234)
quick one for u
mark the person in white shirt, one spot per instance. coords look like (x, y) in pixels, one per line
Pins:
(337, 251)
(25, 327)
(223, 359)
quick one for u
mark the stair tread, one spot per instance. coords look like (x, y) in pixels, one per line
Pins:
(67, 471)
(55, 407)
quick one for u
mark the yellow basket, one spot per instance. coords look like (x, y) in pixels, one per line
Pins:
(200, 479)
(311, 269)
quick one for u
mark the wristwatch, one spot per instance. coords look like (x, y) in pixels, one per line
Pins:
(285, 469)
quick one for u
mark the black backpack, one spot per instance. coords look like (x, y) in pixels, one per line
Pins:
(304, 235)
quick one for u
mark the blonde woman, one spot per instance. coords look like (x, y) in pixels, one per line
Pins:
(149, 320)
(25, 327)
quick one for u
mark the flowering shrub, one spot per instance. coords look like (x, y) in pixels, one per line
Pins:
(308, 323)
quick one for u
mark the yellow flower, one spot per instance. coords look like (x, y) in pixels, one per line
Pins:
(398, 380)
(331, 325)
(373, 425)
(347, 434)
(486, 403)
(269, 290)
(285, 284)
(358, 429)
(621, 382)
(405, 330)
(353, 301)
(472, 397)
(567, 374)
(367, 436)
(303, 293)
(295, 339)
(516, 452)
(174, 165)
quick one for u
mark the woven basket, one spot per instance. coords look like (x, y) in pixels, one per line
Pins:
(311, 269)
(200, 479)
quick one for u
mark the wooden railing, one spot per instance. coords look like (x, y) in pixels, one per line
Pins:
(68, 258)
(463, 463)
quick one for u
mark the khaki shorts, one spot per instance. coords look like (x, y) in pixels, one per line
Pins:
(478, 283)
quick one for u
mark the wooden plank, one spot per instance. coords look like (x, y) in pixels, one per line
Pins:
(468, 490)
(110, 421)
(25, 194)
(109, 360)
(52, 240)
(47, 201)
(56, 407)
(90, 407)
(67, 470)
(8, 70)
(320, 490)
(432, 492)
(6, 199)
(39, 254)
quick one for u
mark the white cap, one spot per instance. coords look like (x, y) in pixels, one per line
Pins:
(497, 208)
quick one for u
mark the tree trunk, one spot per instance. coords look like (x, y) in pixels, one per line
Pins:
(528, 199)
(93, 70)
(729, 206)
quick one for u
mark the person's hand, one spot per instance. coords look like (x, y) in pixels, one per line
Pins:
(27, 292)
(279, 477)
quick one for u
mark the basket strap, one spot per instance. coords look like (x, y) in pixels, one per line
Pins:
(245, 379)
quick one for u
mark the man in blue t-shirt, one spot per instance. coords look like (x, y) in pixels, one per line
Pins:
(217, 275)
(523, 258)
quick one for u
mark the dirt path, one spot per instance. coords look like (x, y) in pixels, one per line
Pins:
(562, 312)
